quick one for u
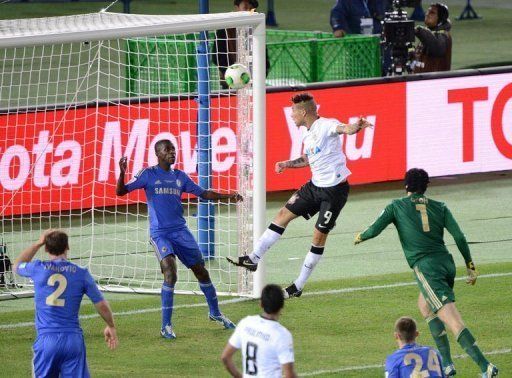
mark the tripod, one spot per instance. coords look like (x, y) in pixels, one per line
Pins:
(468, 13)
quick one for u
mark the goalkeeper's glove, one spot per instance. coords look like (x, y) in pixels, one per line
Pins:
(358, 239)
(472, 273)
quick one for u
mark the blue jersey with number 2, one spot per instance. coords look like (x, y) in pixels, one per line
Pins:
(59, 286)
(413, 361)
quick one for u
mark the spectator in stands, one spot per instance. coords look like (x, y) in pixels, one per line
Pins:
(351, 16)
(434, 52)
(224, 48)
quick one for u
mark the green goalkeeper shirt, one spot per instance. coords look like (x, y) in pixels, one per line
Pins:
(420, 222)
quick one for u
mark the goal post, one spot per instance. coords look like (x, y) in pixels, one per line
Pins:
(78, 92)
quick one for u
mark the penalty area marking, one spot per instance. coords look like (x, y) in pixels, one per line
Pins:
(380, 366)
(238, 300)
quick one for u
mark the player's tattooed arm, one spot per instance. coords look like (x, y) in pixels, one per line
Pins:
(300, 162)
(353, 128)
(120, 187)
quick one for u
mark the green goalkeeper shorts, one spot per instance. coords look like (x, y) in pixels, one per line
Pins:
(435, 275)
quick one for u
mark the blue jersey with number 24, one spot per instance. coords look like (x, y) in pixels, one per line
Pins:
(59, 286)
(414, 361)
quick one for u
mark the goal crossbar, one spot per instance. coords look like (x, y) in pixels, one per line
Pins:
(107, 25)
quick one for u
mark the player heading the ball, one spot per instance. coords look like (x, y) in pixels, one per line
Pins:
(326, 193)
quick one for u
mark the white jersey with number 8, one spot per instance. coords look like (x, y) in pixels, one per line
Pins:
(265, 346)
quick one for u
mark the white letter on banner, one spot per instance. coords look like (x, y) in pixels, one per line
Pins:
(72, 162)
(112, 140)
(20, 152)
(188, 153)
(40, 150)
(220, 135)
(365, 151)
(296, 134)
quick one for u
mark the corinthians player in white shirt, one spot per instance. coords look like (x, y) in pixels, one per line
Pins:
(326, 193)
(267, 346)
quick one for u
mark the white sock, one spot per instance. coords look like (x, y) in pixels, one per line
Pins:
(267, 240)
(309, 265)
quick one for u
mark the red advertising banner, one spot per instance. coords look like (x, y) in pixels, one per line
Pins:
(373, 155)
(67, 159)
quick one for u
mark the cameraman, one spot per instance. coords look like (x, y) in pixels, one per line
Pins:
(434, 52)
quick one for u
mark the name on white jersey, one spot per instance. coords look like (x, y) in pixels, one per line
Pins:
(256, 333)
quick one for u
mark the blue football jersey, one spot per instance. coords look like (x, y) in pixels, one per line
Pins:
(163, 193)
(413, 361)
(59, 286)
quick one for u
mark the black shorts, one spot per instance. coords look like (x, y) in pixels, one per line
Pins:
(328, 202)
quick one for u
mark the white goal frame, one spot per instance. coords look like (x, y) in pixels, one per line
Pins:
(107, 25)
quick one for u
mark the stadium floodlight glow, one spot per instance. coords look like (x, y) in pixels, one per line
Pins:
(79, 92)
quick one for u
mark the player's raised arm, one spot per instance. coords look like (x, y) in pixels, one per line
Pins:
(121, 187)
(28, 253)
(353, 128)
(453, 228)
(384, 219)
(300, 162)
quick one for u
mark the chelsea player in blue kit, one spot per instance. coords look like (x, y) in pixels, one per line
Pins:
(412, 360)
(169, 233)
(59, 285)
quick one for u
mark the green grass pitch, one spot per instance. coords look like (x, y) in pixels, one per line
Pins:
(339, 327)
(342, 325)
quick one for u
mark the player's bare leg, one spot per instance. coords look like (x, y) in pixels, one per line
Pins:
(170, 272)
(208, 289)
(450, 315)
(438, 331)
(312, 258)
(267, 240)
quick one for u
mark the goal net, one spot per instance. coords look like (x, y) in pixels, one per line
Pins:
(79, 92)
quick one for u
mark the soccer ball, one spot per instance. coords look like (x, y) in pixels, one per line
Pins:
(237, 76)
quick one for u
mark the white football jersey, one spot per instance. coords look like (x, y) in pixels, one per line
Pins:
(265, 346)
(322, 145)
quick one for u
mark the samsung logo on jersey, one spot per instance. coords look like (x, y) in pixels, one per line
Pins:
(168, 191)
(256, 333)
(56, 268)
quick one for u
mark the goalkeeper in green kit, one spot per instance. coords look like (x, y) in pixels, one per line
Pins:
(420, 222)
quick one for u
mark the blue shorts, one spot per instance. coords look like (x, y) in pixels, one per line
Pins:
(179, 243)
(60, 355)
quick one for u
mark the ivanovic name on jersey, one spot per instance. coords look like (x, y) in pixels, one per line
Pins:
(59, 268)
